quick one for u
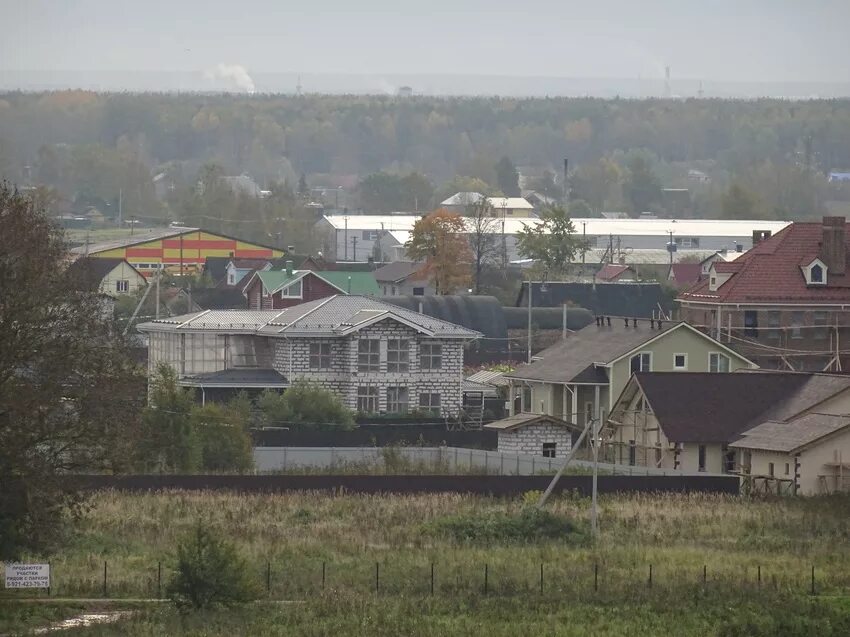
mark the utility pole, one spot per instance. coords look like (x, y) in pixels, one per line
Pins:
(354, 248)
(120, 207)
(671, 247)
(132, 224)
(529, 321)
(345, 239)
(594, 526)
(158, 275)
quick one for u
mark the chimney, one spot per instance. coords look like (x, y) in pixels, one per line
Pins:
(832, 250)
(759, 236)
(289, 268)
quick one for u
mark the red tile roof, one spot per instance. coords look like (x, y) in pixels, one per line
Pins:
(685, 274)
(612, 271)
(770, 272)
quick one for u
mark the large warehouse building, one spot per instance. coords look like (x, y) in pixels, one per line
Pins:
(176, 249)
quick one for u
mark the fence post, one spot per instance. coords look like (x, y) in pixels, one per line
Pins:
(269, 578)
(159, 580)
(104, 578)
(486, 569)
(650, 576)
(432, 578)
(541, 578)
(813, 579)
(704, 574)
(759, 576)
(596, 576)
(323, 576)
(377, 577)
(50, 577)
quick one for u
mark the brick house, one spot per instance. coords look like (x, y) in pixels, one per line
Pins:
(279, 289)
(377, 357)
(785, 303)
(533, 434)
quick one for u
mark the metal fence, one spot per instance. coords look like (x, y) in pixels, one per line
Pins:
(450, 460)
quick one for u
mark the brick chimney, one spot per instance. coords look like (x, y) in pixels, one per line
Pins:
(832, 250)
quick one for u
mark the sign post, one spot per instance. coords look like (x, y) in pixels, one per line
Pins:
(27, 575)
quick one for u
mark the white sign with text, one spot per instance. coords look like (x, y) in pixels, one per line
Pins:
(27, 575)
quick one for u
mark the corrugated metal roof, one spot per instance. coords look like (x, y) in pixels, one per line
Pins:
(488, 377)
(789, 436)
(326, 317)
(463, 199)
(140, 236)
(524, 420)
(592, 226)
(512, 203)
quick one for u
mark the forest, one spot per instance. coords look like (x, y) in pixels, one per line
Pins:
(163, 157)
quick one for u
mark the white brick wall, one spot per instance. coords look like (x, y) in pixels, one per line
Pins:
(529, 440)
(292, 359)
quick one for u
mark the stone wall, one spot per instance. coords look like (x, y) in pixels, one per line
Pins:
(292, 359)
(529, 440)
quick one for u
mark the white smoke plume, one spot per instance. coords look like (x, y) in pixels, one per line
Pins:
(234, 74)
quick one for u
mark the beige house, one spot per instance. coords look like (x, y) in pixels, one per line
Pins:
(693, 421)
(112, 277)
(809, 455)
(581, 377)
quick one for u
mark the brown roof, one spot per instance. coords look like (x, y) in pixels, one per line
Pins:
(612, 271)
(789, 436)
(397, 271)
(573, 360)
(712, 407)
(524, 420)
(770, 272)
(685, 274)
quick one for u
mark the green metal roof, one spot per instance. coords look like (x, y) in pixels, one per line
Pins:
(362, 283)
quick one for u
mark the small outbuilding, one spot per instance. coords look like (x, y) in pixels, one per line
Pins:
(534, 435)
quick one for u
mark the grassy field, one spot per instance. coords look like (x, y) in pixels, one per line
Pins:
(597, 588)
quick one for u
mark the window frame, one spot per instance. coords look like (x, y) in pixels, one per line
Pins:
(774, 331)
(395, 404)
(431, 357)
(684, 366)
(550, 450)
(798, 321)
(323, 357)
(429, 407)
(401, 364)
(751, 328)
(368, 395)
(640, 355)
(372, 357)
(285, 294)
(720, 356)
(122, 283)
(821, 327)
(702, 457)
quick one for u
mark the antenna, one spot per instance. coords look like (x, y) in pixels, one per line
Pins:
(700, 92)
(667, 91)
(298, 86)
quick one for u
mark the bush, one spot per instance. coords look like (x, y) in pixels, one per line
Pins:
(223, 435)
(210, 573)
(304, 406)
(530, 525)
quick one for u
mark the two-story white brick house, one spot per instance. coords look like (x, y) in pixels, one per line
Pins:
(377, 357)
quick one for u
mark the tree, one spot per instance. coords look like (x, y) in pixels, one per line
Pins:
(483, 225)
(546, 185)
(438, 240)
(738, 203)
(552, 243)
(170, 441)
(222, 433)
(462, 184)
(68, 388)
(304, 406)
(641, 187)
(507, 178)
(384, 192)
(210, 573)
(598, 184)
(303, 188)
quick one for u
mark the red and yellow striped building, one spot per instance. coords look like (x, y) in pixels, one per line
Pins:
(177, 249)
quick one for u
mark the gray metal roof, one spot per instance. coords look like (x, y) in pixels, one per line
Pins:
(332, 316)
(523, 420)
(139, 236)
(248, 377)
(488, 377)
(790, 436)
(569, 360)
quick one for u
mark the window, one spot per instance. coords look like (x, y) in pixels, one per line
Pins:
(367, 399)
(231, 278)
(774, 324)
(729, 461)
(770, 469)
(549, 449)
(293, 290)
(718, 362)
(395, 291)
(398, 355)
(751, 323)
(816, 274)
(122, 286)
(821, 320)
(701, 459)
(430, 403)
(680, 362)
(418, 291)
(369, 235)
(632, 453)
(320, 355)
(796, 325)
(397, 400)
(430, 356)
(787, 469)
(641, 362)
(368, 355)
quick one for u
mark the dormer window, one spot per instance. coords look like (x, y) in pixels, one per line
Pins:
(815, 273)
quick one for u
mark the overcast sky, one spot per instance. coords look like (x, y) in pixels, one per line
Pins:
(775, 40)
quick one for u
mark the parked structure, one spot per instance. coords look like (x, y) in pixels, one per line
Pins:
(175, 249)
(377, 357)
(785, 303)
(580, 378)
(278, 289)
(533, 434)
(112, 277)
(403, 277)
(702, 421)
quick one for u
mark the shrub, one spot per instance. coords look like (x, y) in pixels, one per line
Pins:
(223, 436)
(530, 525)
(210, 573)
(304, 406)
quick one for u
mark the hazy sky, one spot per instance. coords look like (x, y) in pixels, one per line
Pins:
(794, 40)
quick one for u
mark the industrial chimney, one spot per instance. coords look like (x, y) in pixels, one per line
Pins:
(566, 182)
(832, 250)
